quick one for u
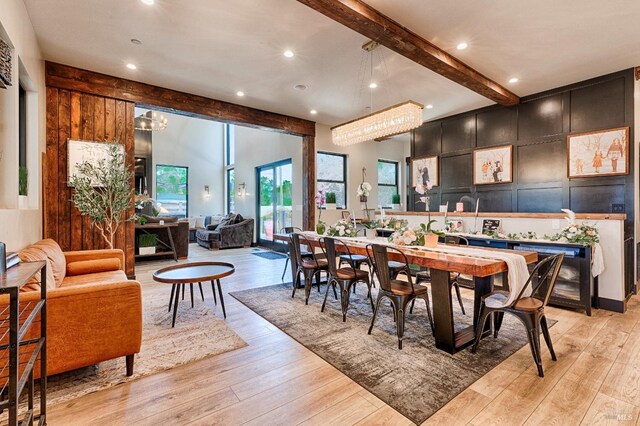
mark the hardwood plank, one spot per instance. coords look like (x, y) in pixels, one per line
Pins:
(76, 133)
(566, 404)
(64, 208)
(66, 77)
(88, 106)
(460, 410)
(346, 412)
(128, 242)
(610, 411)
(371, 23)
(385, 416)
(623, 383)
(50, 183)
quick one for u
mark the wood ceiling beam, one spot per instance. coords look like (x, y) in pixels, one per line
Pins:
(364, 19)
(70, 78)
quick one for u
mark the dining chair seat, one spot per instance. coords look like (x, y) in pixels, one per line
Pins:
(529, 304)
(349, 273)
(403, 287)
(395, 265)
(314, 264)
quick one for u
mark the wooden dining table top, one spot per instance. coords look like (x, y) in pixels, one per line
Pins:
(469, 265)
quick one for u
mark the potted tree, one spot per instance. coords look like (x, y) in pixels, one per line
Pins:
(147, 243)
(395, 200)
(331, 201)
(23, 187)
(103, 191)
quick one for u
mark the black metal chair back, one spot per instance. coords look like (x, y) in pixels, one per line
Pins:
(543, 278)
(328, 245)
(290, 230)
(456, 240)
(298, 240)
(381, 265)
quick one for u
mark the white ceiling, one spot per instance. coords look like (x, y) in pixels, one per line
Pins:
(215, 48)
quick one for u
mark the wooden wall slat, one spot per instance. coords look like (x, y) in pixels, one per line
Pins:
(129, 141)
(51, 177)
(98, 135)
(120, 135)
(87, 105)
(76, 133)
(64, 207)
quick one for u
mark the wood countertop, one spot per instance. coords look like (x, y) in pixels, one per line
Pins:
(584, 216)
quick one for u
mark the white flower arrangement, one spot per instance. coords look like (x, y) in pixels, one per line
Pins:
(342, 228)
(364, 189)
(578, 234)
(407, 236)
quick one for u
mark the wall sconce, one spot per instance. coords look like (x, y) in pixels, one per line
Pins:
(207, 194)
(242, 190)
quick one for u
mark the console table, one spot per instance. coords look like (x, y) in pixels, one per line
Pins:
(19, 348)
(155, 228)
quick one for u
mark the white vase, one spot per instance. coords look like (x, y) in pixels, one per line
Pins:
(371, 233)
(147, 250)
(23, 202)
(396, 207)
(330, 206)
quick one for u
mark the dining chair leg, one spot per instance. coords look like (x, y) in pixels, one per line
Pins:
(497, 323)
(335, 294)
(456, 286)
(413, 302)
(296, 283)
(224, 312)
(375, 312)
(369, 295)
(173, 290)
(317, 275)
(201, 292)
(286, 263)
(482, 319)
(400, 321)
(191, 290)
(344, 301)
(330, 283)
(182, 291)
(429, 315)
(547, 337)
(213, 288)
(308, 277)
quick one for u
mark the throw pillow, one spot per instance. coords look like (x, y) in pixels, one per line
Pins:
(83, 267)
(239, 218)
(199, 222)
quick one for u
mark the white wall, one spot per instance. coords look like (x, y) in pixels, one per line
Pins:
(198, 145)
(361, 155)
(21, 227)
(255, 147)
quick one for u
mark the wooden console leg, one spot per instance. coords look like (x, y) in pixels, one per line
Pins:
(130, 359)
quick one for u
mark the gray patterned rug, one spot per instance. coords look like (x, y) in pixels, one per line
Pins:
(417, 380)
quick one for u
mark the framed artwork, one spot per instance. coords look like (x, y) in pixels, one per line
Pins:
(493, 165)
(80, 151)
(424, 170)
(601, 153)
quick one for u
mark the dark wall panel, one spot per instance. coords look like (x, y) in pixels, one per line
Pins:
(495, 201)
(544, 200)
(598, 106)
(540, 117)
(541, 163)
(427, 140)
(596, 199)
(497, 127)
(458, 133)
(459, 197)
(455, 172)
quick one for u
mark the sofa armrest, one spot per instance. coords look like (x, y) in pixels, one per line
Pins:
(238, 234)
(92, 323)
(75, 256)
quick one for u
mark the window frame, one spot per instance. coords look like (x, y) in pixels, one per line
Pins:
(228, 171)
(387, 185)
(22, 126)
(344, 176)
(229, 137)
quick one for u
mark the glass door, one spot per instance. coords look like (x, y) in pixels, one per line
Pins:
(274, 201)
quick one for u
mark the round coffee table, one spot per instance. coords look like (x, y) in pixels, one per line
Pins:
(190, 273)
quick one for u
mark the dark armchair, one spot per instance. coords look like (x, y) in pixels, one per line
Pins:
(231, 232)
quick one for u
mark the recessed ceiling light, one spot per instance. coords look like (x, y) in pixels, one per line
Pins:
(373, 85)
(239, 93)
(462, 46)
(513, 80)
(136, 41)
(300, 87)
(132, 66)
(313, 111)
(288, 53)
(148, 2)
(429, 106)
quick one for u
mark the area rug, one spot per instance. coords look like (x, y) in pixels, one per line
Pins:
(271, 255)
(198, 334)
(417, 380)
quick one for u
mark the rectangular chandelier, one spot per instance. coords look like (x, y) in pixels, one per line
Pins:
(390, 121)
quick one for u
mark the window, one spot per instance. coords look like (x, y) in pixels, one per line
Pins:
(229, 170)
(22, 130)
(231, 190)
(387, 182)
(172, 190)
(332, 176)
(229, 138)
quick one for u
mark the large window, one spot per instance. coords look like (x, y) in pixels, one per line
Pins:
(172, 190)
(231, 190)
(230, 175)
(387, 182)
(332, 176)
(22, 129)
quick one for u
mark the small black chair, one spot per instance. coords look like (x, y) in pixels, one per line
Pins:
(306, 254)
(529, 310)
(344, 277)
(400, 293)
(424, 276)
(310, 268)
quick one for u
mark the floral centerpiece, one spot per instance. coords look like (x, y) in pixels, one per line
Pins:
(320, 201)
(394, 223)
(371, 227)
(422, 235)
(423, 191)
(584, 234)
(342, 228)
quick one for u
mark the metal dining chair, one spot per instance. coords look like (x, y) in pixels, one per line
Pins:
(424, 276)
(529, 310)
(305, 253)
(309, 268)
(400, 293)
(345, 278)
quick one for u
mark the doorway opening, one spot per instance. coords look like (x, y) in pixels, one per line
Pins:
(274, 206)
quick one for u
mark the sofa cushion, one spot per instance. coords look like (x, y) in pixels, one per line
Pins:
(56, 257)
(32, 254)
(239, 218)
(212, 226)
(205, 235)
(96, 278)
(83, 267)
(199, 222)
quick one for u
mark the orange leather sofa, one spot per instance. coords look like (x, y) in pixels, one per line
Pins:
(94, 313)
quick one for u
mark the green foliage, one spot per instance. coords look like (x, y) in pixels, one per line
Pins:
(142, 220)
(427, 228)
(266, 191)
(103, 192)
(171, 180)
(147, 240)
(23, 181)
(395, 199)
(372, 224)
(331, 197)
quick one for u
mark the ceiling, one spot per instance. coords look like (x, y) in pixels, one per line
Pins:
(216, 48)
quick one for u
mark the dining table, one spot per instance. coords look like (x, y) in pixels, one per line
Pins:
(448, 337)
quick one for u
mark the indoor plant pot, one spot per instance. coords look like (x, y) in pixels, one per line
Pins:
(147, 243)
(147, 250)
(371, 233)
(321, 227)
(23, 202)
(396, 207)
(330, 206)
(431, 240)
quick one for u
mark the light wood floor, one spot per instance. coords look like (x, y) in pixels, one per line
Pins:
(275, 380)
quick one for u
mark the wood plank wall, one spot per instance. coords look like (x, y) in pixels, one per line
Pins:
(77, 115)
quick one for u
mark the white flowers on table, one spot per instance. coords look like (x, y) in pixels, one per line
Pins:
(342, 228)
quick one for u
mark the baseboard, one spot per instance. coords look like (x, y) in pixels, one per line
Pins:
(613, 305)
